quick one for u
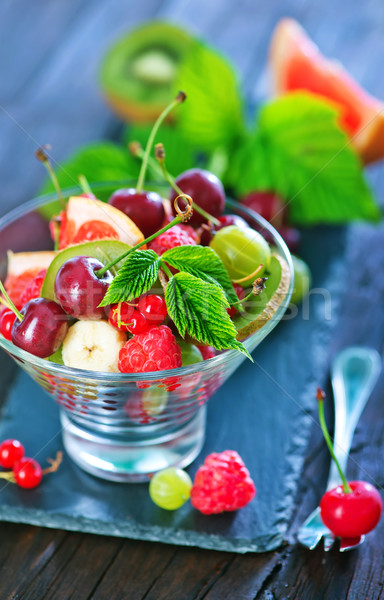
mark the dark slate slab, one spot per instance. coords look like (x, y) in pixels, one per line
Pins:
(263, 412)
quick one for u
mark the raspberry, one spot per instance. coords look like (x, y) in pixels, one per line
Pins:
(154, 350)
(222, 483)
(179, 235)
(33, 288)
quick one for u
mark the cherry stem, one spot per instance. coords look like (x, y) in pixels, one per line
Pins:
(42, 156)
(160, 157)
(85, 185)
(178, 100)
(8, 302)
(320, 397)
(137, 151)
(54, 463)
(100, 272)
(8, 475)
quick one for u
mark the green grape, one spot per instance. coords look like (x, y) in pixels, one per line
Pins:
(242, 252)
(303, 280)
(190, 354)
(170, 488)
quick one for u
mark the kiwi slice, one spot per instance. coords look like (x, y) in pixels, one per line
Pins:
(262, 308)
(103, 250)
(138, 72)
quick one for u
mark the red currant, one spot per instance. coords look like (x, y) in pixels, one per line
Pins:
(28, 473)
(153, 308)
(120, 315)
(11, 451)
(138, 323)
(7, 319)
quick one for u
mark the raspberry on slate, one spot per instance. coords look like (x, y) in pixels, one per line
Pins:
(154, 350)
(222, 483)
(179, 235)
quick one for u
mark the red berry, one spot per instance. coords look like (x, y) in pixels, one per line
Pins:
(33, 289)
(138, 324)
(205, 189)
(268, 204)
(7, 319)
(240, 293)
(146, 209)
(207, 352)
(154, 350)
(28, 473)
(354, 514)
(222, 483)
(179, 235)
(10, 452)
(120, 315)
(153, 308)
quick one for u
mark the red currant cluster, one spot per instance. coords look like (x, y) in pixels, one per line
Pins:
(25, 472)
(140, 315)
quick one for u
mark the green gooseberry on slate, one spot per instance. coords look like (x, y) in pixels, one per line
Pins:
(242, 252)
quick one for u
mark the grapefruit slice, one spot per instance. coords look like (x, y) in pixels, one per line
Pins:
(87, 219)
(22, 269)
(296, 63)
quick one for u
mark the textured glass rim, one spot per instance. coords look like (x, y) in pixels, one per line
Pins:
(206, 365)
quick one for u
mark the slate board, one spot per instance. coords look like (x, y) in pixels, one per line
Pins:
(263, 412)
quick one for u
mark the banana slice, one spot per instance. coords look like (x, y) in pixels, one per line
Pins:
(93, 345)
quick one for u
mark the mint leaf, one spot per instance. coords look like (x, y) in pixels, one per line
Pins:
(299, 151)
(213, 111)
(101, 161)
(135, 277)
(203, 262)
(199, 308)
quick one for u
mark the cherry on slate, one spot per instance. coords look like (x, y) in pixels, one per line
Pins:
(353, 508)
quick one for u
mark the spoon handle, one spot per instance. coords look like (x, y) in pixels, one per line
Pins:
(354, 374)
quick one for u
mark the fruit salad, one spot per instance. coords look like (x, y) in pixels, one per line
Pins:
(143, 283)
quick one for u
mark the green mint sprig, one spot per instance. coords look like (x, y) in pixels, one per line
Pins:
(197, 296)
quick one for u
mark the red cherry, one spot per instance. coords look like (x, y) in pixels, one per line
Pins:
(227, 220)
(43, 328)
(28, 473)
(291, 237)
(120, 315)
(354, 514)
(138, 323)
(7, 319)
(153, 308)
(79, 291)
(267, 204)
(205, 189)
(146, 209)
(11, 451)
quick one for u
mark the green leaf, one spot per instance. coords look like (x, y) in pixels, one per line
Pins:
(100, 161)
(180, 153)
(135, 277)
(212, 115)
(199, 308)
(203, 262)
(299, 151)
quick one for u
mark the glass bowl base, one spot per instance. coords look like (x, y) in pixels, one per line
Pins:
(132, 461)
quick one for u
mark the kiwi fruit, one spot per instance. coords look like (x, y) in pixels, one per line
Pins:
(262, 308)
(138, 72)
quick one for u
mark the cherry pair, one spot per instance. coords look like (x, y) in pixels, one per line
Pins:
(138, 317)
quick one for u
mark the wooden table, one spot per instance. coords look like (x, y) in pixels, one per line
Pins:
(49, 55)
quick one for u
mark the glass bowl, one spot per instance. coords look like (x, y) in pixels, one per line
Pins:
(121, 426)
